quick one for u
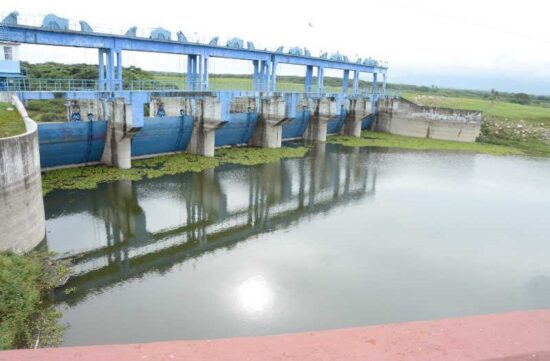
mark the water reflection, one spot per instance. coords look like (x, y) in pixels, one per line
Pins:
(152, 224)
(343, 237)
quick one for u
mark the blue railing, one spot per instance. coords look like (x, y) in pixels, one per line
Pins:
(215, 84)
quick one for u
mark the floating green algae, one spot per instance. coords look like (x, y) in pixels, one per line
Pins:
(378, 139)
(254, 156)
(89, 177)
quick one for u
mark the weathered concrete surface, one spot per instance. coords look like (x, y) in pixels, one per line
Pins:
(359, 109)
(22, 221)
(323, 110)
(118, 142)
(269, 129)
(509, 336)
(400, 116)
(243, 105)
(169, 106)
(85, 107)
(207, 119)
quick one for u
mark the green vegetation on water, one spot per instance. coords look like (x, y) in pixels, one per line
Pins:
(11, 122)
(377, 139)
(27, 320)
(90, 177)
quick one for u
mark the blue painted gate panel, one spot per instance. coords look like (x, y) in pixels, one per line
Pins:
(71, 143)
(237, 130)
(162, 135)
(297, 126)
(335, 123)
(367, 122)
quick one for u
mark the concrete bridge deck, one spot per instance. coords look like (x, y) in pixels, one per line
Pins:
(511, 336)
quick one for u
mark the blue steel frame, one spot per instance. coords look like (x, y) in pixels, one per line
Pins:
(265, 63)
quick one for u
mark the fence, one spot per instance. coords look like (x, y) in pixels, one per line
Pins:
(177, 84)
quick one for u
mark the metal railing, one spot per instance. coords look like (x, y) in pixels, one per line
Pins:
(52, 85)
(215, 84)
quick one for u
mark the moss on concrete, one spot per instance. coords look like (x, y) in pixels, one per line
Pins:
(11, 122)
(26, 318)
(90, 177)
(378, 139)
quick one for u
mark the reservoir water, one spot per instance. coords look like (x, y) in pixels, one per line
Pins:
(340, 238)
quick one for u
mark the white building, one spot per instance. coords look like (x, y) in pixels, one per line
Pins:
(10, 66)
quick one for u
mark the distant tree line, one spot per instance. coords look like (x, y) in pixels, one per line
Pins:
(87, 71)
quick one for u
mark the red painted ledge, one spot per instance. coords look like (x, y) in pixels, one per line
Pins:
(511, 336)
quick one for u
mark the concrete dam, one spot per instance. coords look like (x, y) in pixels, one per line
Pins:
(107, 121)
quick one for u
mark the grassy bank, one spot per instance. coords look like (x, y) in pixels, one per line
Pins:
(11, 122)
(26, 320)
(377, 139)
(90, 177)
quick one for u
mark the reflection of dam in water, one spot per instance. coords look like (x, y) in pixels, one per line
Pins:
(204, 211)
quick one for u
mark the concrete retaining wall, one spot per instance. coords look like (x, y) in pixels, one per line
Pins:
(400, 116)
(22, 222)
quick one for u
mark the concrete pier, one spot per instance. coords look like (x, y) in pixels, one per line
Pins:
(22, 221)
(207, 119)
(118, 142)
(269, 129)
(323, 110)
(359, 109)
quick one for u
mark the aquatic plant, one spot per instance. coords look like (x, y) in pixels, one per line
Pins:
(89, 177)
(378, 139)
(27, 320)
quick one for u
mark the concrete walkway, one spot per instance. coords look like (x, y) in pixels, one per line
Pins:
(509, 336)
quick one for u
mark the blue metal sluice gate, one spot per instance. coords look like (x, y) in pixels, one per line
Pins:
(238, 129)
(296, 127)
(83, 142)
(162, 135)
(71, 143)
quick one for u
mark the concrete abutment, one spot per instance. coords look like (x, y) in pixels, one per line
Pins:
(402, 117)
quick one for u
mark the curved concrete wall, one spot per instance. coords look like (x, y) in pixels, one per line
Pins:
(22, 222)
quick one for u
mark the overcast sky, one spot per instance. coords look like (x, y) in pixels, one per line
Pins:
(466, 44)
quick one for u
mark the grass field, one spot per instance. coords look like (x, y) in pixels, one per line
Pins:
(241, 83)
(11, 122)
(533, 114)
